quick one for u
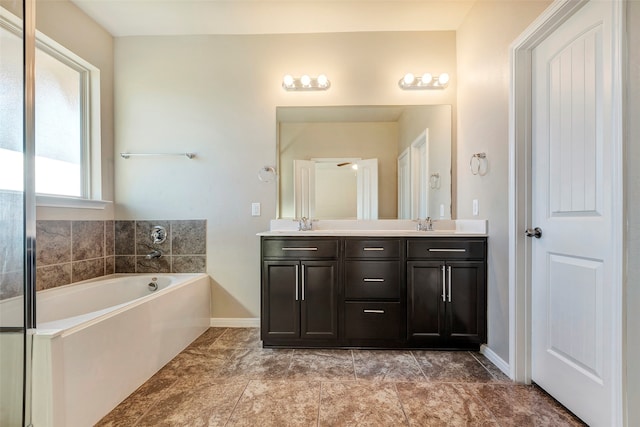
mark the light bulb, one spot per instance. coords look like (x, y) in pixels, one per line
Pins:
(322, 80)
(443, 79)
(426, 78)
(408, 79)
(287, 80)
(305, 80)
(354, 166)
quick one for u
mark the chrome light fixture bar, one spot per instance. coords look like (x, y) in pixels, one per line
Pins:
(305, 82)
(425, 81)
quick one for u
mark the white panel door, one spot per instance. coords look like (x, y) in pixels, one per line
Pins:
(367, 177)
(572, 184)
(304, 188)
(404, 185)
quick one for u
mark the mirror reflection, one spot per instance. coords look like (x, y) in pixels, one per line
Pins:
(364, 162)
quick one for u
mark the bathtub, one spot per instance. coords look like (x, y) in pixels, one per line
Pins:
(97, 341)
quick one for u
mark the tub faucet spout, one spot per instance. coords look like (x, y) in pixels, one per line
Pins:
(154, 254)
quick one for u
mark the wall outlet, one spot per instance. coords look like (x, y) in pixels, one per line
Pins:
(475, 207)
(255, 209)
(441, 211)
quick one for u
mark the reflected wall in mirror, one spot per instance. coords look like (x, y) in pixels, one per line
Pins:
(412, 145)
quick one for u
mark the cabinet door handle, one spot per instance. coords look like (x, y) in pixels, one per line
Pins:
(373, 311)
(444, 284)
(449, 269)
(446, 250)
(372, 280)
(297, 281)
(299, 249)
(302, 282)
(373, 249)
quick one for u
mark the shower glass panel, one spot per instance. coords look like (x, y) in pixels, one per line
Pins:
(16, 198)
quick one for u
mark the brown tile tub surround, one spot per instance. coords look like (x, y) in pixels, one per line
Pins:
(184, 251)
(72, 251)
(225, 378)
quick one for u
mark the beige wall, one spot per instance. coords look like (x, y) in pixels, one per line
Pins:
(632, 197)
(483, 112)
(217, 95)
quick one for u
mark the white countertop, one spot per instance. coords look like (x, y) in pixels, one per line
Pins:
(379, 228)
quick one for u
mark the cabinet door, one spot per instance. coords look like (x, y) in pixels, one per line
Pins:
(466, 296)
(319, 299)
(425, 305)
(280, 299)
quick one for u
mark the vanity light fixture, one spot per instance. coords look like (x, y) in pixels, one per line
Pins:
(425, 81)
(305, 82)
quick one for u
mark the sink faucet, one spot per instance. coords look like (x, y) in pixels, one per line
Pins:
(154, 254)
(305, 224)
(426, 225)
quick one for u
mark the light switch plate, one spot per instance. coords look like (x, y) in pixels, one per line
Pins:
(255, 209)
(475, 207)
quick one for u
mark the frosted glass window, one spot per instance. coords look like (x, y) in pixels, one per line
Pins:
(10, 111)
(59, 119)
(62, 120)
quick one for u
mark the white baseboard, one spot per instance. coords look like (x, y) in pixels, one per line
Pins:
(495, 359)
(235, 322)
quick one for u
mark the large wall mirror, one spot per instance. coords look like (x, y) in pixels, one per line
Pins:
(364, 162)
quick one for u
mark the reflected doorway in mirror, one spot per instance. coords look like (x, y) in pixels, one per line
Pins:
(329, 188)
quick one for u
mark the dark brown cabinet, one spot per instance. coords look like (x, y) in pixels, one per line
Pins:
(299, 291)
(446, 304)
(373, 292)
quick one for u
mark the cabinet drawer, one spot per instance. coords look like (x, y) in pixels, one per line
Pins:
(372, 280)
(372, 248)
(446, 248)
(297, 249)
(368, 320)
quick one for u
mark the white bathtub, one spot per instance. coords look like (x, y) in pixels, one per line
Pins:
(97, 341)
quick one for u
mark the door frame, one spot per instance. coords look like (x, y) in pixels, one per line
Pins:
(521, 196)
(420, 145)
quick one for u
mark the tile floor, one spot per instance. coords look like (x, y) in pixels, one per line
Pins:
(226, 378)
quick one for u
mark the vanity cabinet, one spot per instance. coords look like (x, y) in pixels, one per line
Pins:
(299, 291)
(446, 288)
(373, 292)
(387, 292)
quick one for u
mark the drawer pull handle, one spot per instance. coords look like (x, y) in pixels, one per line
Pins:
(446, 250)
(374, 311)
(372, 280)
(373, 249)
(299, 249)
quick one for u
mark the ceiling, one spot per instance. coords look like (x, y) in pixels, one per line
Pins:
(190, 17)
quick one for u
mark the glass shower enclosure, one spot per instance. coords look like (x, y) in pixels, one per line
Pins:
(17, 208)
